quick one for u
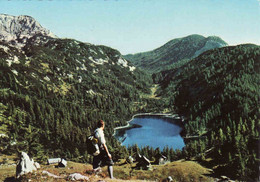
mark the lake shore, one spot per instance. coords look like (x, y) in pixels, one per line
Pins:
(171, 118)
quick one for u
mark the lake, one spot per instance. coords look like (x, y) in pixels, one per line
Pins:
(151, 130)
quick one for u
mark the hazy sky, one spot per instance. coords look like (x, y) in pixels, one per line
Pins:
(140, 25)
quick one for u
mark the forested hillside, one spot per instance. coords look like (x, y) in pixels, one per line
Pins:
(52, 92)
(174, 51)
(218, 93)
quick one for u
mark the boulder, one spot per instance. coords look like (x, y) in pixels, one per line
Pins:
(169, 179)
(77, 176)
(62, 163)
(160, 159)
(25, 165)
(54, 160)
(51, 175)
(37, 165)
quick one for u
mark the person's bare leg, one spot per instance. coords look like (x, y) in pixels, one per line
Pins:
(110, 171)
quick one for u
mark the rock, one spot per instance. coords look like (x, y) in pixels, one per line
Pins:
(51, 175)
(25, 165)
(18, 29)
(169, 179)
(77, 176)
(160, 159)
(62, 163)
(54, 160)
(37, 165)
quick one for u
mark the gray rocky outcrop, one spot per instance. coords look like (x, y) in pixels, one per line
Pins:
(16, 30)
(25, 165)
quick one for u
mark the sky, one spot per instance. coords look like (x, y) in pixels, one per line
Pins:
(133, 26)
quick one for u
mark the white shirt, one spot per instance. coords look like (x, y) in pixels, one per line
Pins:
(99, 134)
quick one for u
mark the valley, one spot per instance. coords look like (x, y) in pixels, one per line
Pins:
(53, 91)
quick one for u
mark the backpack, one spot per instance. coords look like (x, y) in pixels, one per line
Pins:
(92, 145)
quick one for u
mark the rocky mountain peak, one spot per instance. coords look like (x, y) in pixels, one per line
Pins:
(16, 30)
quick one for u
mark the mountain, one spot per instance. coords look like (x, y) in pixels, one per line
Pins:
(52, 91)
(174, 51)
(218, 93)
(16, 30)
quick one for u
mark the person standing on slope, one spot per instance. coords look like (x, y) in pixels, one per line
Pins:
(104, 158)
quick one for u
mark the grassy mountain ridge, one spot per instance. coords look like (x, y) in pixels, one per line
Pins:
(54, 90)
(174, 51)
(218, 94)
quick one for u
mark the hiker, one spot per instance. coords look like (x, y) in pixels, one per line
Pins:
(104, 158)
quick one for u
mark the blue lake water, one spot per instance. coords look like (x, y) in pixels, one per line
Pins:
(153, 131)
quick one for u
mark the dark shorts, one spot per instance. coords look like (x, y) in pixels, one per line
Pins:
(102, 160)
